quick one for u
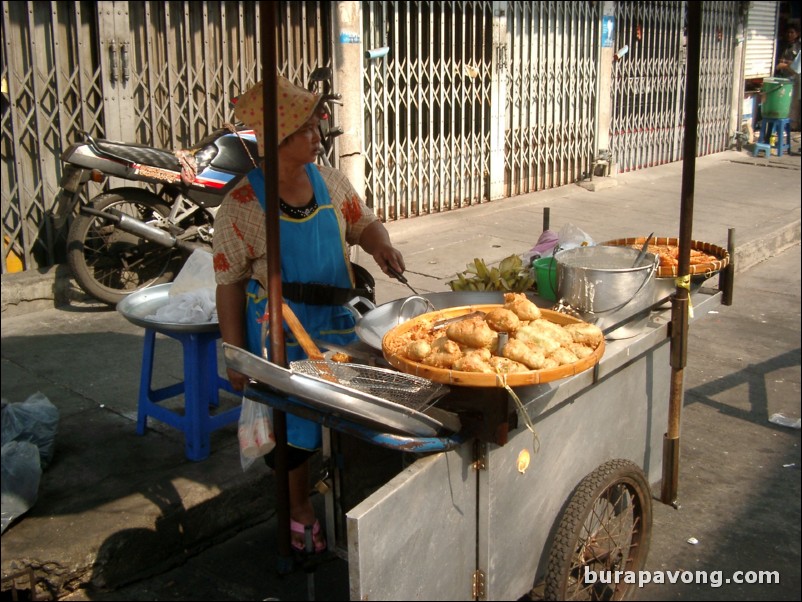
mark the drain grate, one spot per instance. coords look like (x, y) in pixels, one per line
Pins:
(19, 587)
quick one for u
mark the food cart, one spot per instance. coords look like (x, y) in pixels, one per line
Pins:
(527, 487)
(497, 508)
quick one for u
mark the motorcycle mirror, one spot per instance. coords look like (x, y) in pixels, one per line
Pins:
(321, 74)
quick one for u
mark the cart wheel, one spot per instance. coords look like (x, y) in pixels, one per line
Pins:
(605, 528)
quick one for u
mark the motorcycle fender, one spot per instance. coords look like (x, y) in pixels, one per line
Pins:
(64, 206)
(82, 155)
(73, 178)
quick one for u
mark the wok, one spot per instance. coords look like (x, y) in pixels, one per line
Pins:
(373, 322)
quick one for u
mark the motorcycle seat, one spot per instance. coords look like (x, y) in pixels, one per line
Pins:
(138, 153)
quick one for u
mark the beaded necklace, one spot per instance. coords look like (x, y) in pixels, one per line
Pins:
(298, 212)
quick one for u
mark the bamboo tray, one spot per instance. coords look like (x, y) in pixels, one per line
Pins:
(481, 379)
(705, 270)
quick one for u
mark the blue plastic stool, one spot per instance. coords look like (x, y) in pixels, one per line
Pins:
(781, 127)
(200, 387)
(760, 146)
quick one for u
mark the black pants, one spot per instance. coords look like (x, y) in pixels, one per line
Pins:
(295, 457)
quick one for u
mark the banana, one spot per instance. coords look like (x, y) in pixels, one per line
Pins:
(510, 275)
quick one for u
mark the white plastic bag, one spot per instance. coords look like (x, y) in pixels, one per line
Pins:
(572, 236)
(196, 273)
(191, 307)
(256, 437)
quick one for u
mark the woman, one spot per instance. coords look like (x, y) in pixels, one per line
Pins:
(321, 217)
(785, 68)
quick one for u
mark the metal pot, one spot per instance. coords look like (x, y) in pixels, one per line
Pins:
(603, 284)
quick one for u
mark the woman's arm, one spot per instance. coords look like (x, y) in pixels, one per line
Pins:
(376, 240)
(231, 317)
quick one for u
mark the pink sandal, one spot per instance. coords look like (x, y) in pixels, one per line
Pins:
(296, 527)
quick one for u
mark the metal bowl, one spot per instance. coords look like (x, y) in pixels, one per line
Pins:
(137, 306)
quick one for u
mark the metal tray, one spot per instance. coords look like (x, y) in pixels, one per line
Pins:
(137, 306)
(332, 398)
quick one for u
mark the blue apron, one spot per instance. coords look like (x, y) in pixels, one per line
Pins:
(313, 250)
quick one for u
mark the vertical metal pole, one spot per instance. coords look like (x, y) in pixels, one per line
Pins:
(726, 280)
(680, 301)
(268, 28)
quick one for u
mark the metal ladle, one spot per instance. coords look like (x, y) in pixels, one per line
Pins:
(400, 277)
(643, 250)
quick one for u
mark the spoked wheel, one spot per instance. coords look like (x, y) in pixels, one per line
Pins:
(109, 263)
(606, 528)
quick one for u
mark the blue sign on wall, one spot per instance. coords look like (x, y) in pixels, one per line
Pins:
(608, 31)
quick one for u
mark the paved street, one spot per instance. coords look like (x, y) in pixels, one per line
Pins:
(116, 508)
(739, 486)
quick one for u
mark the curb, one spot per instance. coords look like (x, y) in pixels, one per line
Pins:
(37, 290)
(755, 251)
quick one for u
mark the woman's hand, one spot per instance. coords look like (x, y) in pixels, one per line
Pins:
(389, 256)
(238, 380)
(376, 240)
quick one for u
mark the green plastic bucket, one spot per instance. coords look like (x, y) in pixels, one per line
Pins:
(546, 277)
(777, 92)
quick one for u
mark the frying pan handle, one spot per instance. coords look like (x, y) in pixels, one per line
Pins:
(303, 338)
(416, 311)
(356, 303)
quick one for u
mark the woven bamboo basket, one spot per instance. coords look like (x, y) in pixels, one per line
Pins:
(704, 270)
(479, 379)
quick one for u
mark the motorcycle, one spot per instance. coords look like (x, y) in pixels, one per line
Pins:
(129, 238)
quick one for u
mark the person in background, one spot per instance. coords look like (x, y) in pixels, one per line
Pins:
(321, 217)
(785, 68)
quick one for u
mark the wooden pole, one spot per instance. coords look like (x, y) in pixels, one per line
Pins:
(680, 302)
(268, 24)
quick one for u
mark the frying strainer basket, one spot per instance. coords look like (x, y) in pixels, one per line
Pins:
(407, 390)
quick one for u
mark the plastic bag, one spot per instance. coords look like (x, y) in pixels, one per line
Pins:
(21, 473)
(196, 273)
(544, 247)
(572, 236)
(784, 420)
(28, 440)
(34, 420)
(256, 437)
(192, 307)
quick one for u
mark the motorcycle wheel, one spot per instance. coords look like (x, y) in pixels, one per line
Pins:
(109, 263)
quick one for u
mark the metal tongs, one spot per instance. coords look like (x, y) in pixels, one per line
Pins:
(643, 250)
(440, 324)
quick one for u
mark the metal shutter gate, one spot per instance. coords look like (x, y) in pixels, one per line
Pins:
(154, 73)
(649, 82)
(551, 93)
(427, 106)
(761, 39)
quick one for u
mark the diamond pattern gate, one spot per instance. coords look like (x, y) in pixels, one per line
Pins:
(427, 109)
(649, 81)
(477, 100)
(551, 93)
(154, 73)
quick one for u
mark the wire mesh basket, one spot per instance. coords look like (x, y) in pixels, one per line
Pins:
(410, 391)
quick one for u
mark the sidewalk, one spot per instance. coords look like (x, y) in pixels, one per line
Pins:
(114, 507)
